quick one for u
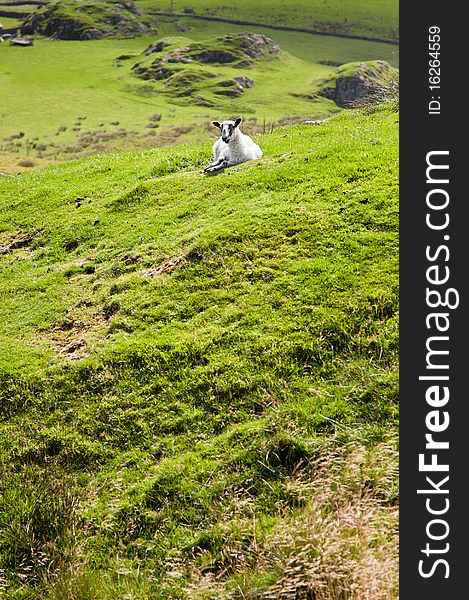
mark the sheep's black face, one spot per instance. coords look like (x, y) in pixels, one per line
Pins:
(228, 129)
(227, 132)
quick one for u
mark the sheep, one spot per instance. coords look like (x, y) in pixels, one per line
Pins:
(232, 148)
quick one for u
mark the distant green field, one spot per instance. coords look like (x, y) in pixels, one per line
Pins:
(373, 18)
(312, 48)
(9, 22)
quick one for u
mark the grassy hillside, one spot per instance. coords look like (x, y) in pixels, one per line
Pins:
(199, 374)
(374, 18)
(108, 108)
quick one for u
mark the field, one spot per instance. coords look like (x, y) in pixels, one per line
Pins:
(199, 374)
(108, 108)
(181, 354)
(374, 18)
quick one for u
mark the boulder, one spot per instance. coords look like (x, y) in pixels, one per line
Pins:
(355, 82)
(234, 87)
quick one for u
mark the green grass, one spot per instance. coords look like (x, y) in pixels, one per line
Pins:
(79, 19)
(374, 18)
(39, 81)
(308, 47)
(8, 22)
(178, 352)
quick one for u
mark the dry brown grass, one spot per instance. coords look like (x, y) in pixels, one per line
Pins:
(165, 268)
(13, 241)
(75, 335)
(342, 544)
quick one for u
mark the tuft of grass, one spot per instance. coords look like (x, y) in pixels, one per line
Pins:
(37, 525)
(342, 543)
(337, 541)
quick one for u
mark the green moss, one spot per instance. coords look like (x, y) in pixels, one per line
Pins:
(239, 50)
(81, 20)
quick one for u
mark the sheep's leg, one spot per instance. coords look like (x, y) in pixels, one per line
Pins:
(212, 164)
(221, 163)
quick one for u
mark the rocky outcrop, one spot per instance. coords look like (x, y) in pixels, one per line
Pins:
(188, 71)
(234, 87)
(356, 82)
(253, 44)
(237, 50)
(62, 27)
(240, 48)
(158, 46)
(83, 20)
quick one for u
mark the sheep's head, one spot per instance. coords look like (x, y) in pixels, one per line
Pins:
(228, 129)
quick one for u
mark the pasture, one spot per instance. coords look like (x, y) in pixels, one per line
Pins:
(199, 374)
(374, 18)
(180, 354)
(70, 98)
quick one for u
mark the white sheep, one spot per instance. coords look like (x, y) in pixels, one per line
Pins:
(232, 148)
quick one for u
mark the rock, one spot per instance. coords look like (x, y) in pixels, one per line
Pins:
(182, 27)
(157, 46)
(132, 7)
(83, 20)
(123, 57)
(235, 87)
(243, 82)
(350, 89)
(354, 82)
(156, 73)
(253, 44)
(21, 42)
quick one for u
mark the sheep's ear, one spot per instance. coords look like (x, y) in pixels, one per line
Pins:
(238, 121)
(217, 124)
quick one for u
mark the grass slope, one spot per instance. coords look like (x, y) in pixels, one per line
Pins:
(199, 374)
(374, 18)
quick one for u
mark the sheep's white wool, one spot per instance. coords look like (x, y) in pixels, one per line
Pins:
(232, 147)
